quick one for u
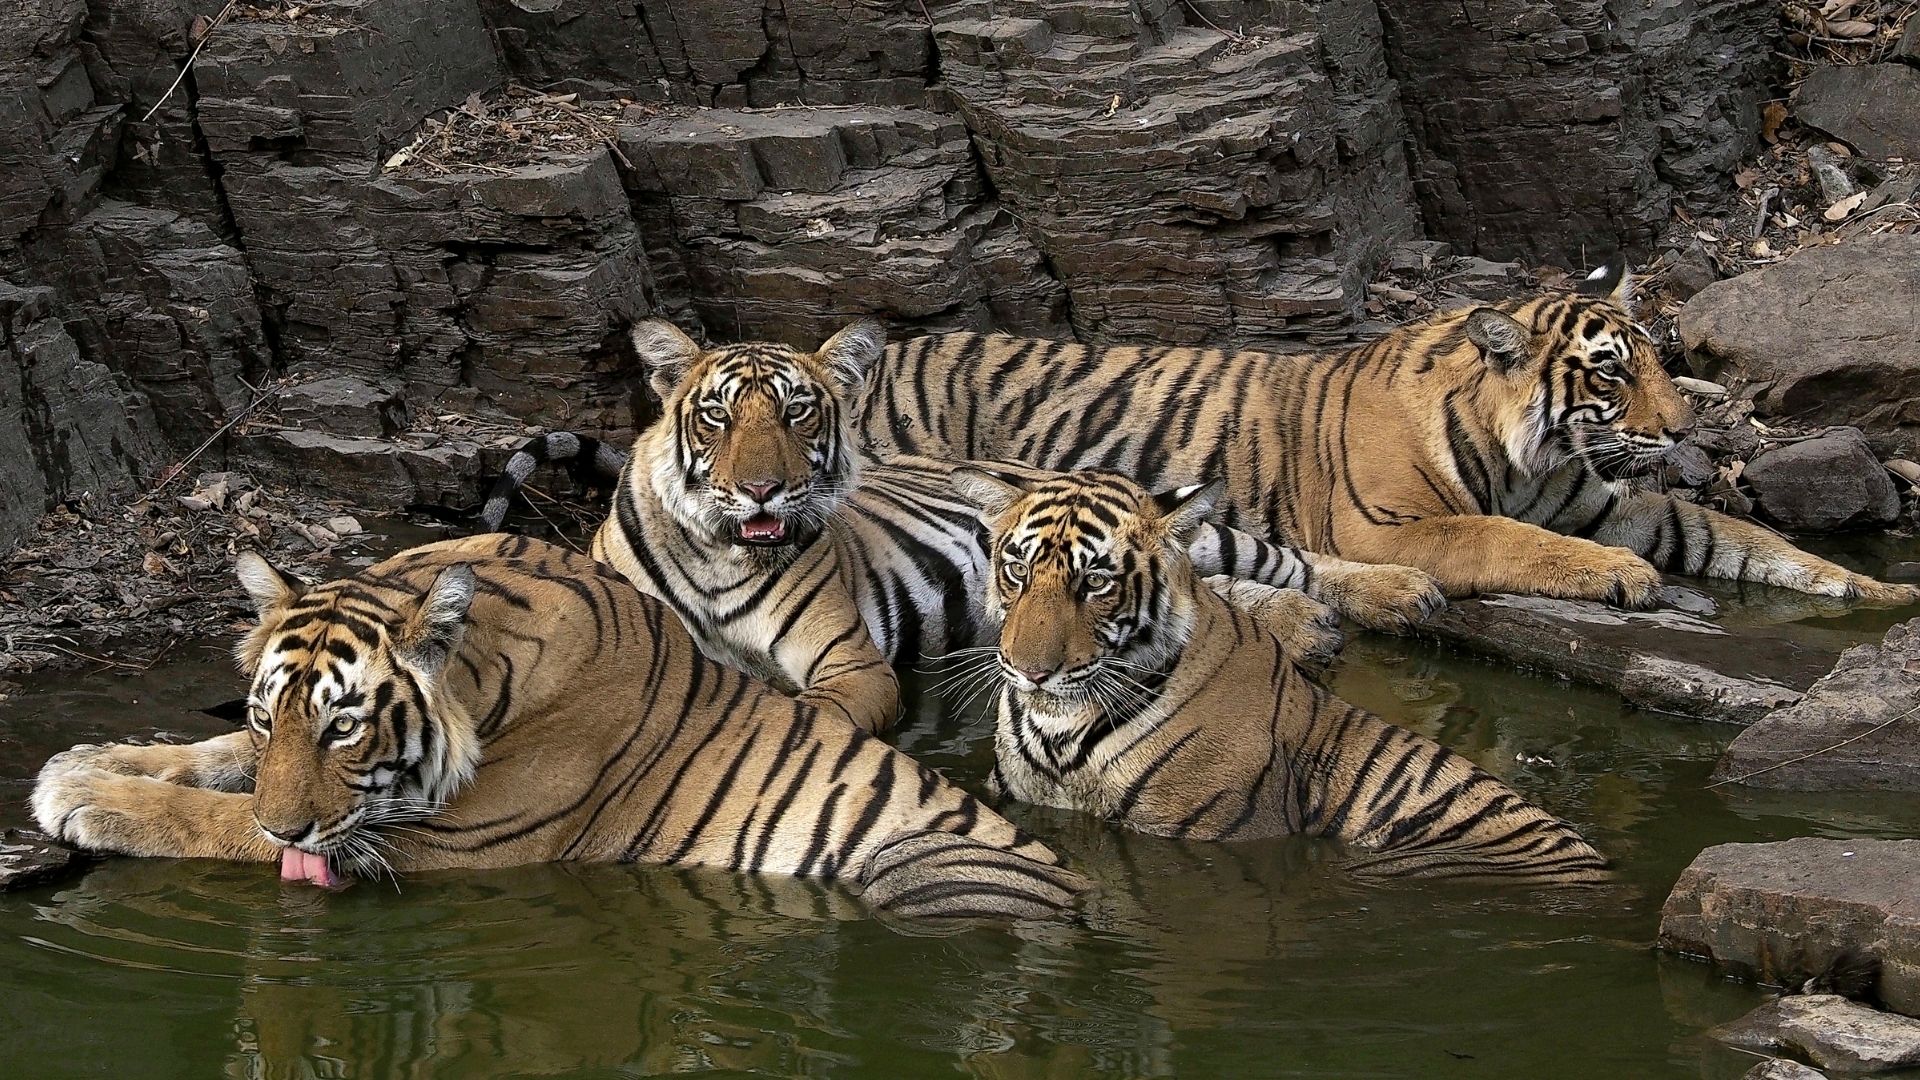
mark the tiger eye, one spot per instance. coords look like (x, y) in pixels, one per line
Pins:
(344, 725)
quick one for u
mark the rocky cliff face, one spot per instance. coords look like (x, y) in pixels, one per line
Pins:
(251, 247)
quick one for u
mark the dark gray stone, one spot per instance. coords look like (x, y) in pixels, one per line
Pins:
(1874, 108)
(1820, 338)
(1543, 127)
(28, 858)
(1184, 185)
(1834, 1032)
(1781, 912)
(81, 428)
(374, 472)
(1823, 484)
(344, 84)
(343, 405)
(1855, 729)
(789, 225)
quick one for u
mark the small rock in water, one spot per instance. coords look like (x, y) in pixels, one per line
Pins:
(1793, 910)
(28, 858)
(344, 525)
(1835, 1032)
(1782, 1069)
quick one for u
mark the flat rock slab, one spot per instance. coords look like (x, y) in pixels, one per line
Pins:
(1857, 729)
(1834, 1032)
(1668, 661)
(1784, 911)
(28, 858)
(1830, 335)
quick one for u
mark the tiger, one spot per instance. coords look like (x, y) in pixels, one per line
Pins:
(745, 509)
(1129, 691)
(495, 701)
(1491, 447)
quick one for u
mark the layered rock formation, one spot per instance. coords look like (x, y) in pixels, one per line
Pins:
(225, 247)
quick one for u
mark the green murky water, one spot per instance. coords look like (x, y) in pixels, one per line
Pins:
(1254, 960)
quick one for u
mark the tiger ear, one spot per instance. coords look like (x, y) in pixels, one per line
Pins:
(267, 586)
(1184, 508)
(851, 353)
(993, 492)
(432, 634)
(665, 353)
(1611, 280)
(1503, 342)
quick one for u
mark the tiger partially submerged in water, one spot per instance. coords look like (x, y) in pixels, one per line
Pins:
(496, 701)
(1488, 447)
(744, 509)
(1131, 692)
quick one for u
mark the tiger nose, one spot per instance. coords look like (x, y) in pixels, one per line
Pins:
(290, 837)
(1037, 676)
(762, 490)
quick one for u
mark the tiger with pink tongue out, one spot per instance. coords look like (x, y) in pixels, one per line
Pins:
(496, 701)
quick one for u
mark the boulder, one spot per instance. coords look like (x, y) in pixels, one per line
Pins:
(1908, 47)
(1823, 484)
(1832, 1031)
(1783, 912)
(1855, 730)
(1820, 337)
(1667, 661)
(1874, 108)
(1782, 1069)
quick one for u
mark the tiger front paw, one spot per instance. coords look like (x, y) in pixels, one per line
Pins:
(1308, 631)
(72, 799)
(1611, 575)
(1385, 597)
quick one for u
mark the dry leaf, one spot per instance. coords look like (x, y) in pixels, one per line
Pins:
(1851, 28)
(1771, 118)
(1841, 210)
(1707, 236)
(1904, 469)
(197, 33)
(1763, 250)
(1746, 178)
(399, 159)
(156, 566)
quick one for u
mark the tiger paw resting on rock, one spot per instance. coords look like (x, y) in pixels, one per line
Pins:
(1133, 692)
(744, 509)
(496, 701)
(1489, 447)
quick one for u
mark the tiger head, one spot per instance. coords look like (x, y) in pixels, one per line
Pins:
(1085, 577)
(1582, 379)
(754, 449)
(346, 707)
